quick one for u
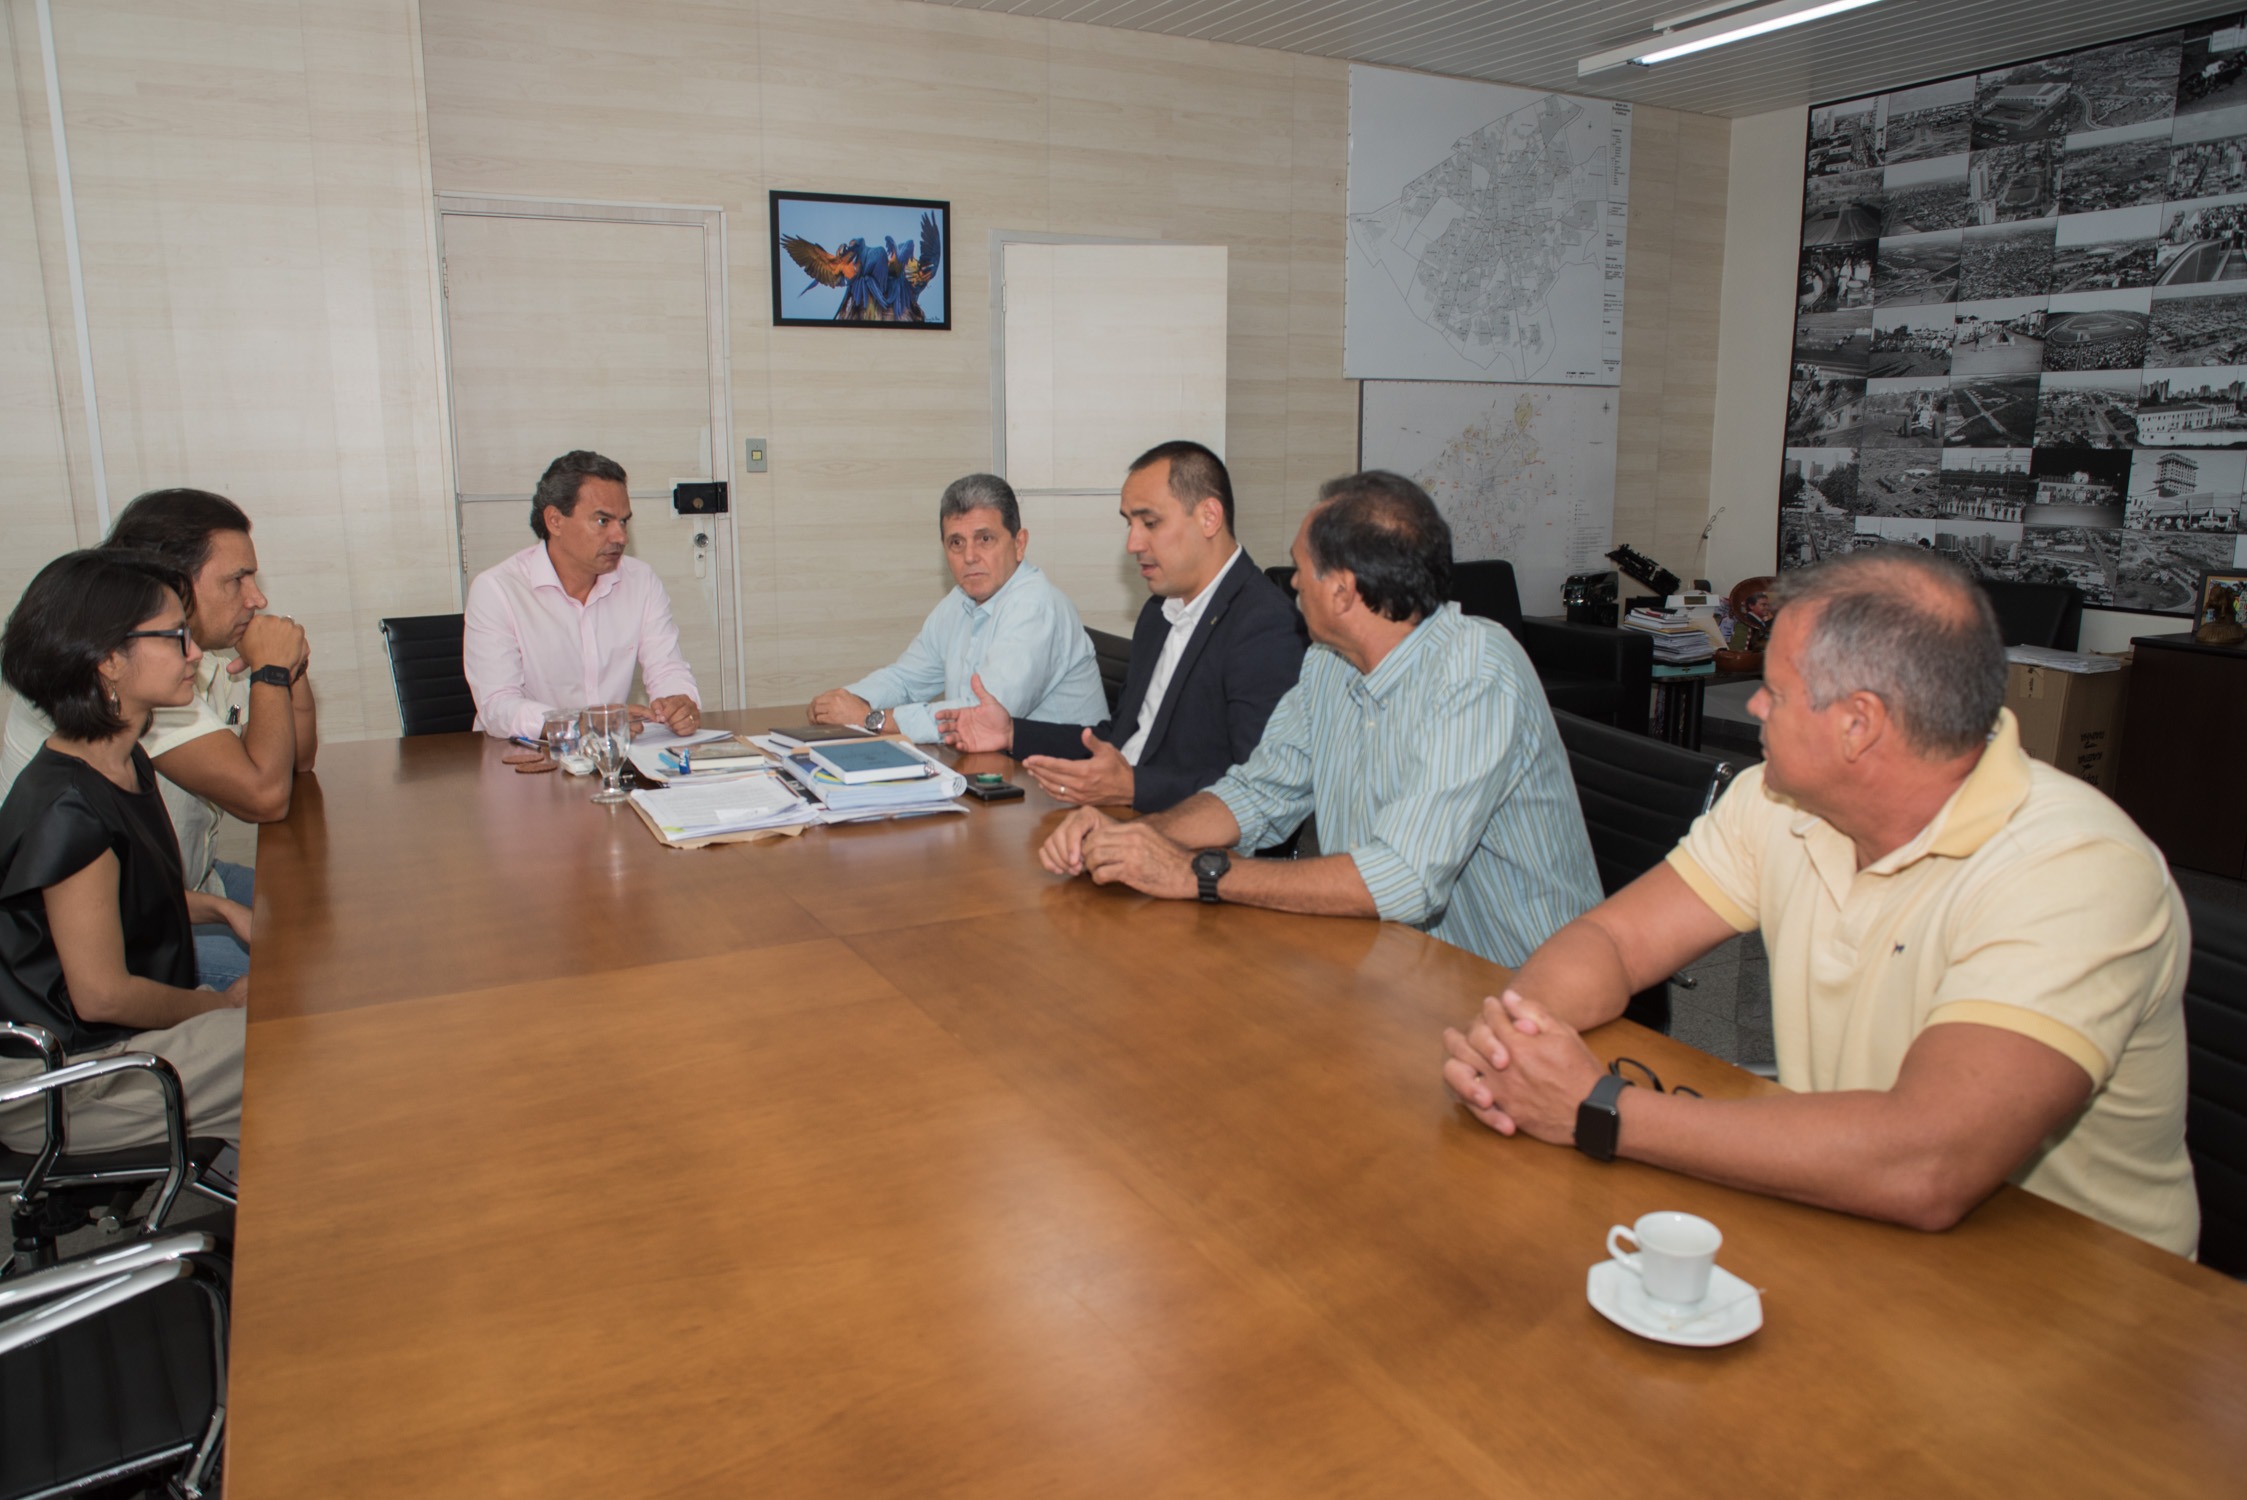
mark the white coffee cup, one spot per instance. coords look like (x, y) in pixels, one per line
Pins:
(1674, 1254)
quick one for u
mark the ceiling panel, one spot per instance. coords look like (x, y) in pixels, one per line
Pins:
(1536, 42)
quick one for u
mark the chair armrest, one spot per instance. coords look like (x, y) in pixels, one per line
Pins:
(20, 1292)
(17, 1036)
(1605, 653)
(175, 1117)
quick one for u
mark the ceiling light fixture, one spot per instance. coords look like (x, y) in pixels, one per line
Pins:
(1679, 36)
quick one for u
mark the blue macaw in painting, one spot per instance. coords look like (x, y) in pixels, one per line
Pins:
(881, 284)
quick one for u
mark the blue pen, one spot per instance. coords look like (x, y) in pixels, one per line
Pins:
(529, 744)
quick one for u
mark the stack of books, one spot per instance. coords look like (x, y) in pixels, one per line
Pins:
(1679, 640)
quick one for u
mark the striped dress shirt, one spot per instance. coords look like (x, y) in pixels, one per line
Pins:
(1441, 775)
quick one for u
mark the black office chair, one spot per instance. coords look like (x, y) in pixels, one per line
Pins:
(1283, 574)
(2216, 1091)
(425, 667)
(1113, 654)
(1597, 671)
(2037, 614)
(1639, 796)
(113, 1371)
(53, 1191)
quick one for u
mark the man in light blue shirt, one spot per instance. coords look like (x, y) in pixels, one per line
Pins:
(1005, 621)
(1417, 734)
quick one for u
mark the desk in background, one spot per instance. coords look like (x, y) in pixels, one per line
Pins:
(878, 1162)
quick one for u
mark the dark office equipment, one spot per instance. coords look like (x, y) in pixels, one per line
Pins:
(2037, 614)
(1646, 571)
(425, 667)
(1591, 598)
(1639, 796)
(1592, 670)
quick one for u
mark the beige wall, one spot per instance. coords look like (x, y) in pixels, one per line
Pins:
(1672, 286)
(1755, 343)
(252, 200)
(253, 187)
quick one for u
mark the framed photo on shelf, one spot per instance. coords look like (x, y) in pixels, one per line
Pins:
(848, 262)
(2221, 619)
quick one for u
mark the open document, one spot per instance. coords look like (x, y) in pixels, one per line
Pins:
(686, 813)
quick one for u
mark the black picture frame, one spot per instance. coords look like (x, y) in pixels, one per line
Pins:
(810, 230)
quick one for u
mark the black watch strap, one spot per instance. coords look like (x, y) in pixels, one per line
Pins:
(279, 677)
(1598, 1121)
(1210, 866)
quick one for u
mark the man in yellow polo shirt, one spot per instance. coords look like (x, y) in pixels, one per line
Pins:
(1977, 962)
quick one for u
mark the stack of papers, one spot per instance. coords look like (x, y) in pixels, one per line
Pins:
(2062, 661)
(689, 811)
(933, 791)
(655, 755)
(1679, 639)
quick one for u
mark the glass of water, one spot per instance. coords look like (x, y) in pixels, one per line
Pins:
(608, 739)
(564, 735)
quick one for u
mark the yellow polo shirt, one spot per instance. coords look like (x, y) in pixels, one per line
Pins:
(2030, 903)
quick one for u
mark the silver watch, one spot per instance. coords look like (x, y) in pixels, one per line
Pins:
(878, 720)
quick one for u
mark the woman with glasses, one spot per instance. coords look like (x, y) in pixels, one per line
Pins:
(96, 941)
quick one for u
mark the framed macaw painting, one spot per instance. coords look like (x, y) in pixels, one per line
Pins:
(845, 262)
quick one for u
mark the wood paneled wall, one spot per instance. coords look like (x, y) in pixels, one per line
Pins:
(254, 181)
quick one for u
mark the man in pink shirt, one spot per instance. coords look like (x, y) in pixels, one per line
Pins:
(560, 625)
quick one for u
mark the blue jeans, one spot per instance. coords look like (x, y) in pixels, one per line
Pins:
(220, 958)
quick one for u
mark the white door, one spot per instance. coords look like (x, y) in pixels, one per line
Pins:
(572, 326)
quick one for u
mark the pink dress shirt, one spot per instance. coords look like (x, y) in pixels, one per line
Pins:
(531, 650)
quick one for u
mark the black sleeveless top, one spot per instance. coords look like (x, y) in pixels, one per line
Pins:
(58, 818)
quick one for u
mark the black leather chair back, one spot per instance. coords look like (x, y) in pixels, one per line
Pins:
(425, 666)
(2037, 614)
(1113, 654)
(1488, 589)
(1282, 574)
(2216, 1095)
(1639, 796)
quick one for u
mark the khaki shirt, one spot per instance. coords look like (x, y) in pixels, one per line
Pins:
(2030, 903)
(221, 702)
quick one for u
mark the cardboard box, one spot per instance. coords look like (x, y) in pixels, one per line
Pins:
(2072, 720)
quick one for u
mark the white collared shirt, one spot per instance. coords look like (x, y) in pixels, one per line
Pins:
(1184, 615)
(530, 650)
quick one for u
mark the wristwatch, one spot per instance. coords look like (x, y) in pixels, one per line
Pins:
(1209, 867)
(1598, 1121)
(274, 677)
(878, 720)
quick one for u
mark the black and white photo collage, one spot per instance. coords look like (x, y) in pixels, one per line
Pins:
(2021, 323)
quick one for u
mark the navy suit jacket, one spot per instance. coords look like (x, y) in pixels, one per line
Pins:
(1243, 656)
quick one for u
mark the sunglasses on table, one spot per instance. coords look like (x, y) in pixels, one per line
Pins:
(178, 634)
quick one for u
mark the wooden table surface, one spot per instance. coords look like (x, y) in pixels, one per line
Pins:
(879, 1162)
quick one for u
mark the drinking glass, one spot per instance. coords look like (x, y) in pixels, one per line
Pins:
(608, 738)
(564, 735)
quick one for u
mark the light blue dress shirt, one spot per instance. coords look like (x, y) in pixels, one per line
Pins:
(1025, 640)
(1442, 775)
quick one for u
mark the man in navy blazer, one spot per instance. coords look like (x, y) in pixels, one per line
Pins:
(1216, 648)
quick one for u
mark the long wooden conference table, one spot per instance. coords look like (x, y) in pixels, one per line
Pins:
(879, 1162)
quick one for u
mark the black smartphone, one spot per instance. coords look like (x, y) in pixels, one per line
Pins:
(995, 790)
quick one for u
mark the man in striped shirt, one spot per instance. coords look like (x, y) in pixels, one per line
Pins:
(1418, 736)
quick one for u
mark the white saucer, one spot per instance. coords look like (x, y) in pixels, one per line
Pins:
(1734, 1308)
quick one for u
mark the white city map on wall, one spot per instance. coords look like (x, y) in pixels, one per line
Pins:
(1522, 473)
(1486, 229)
